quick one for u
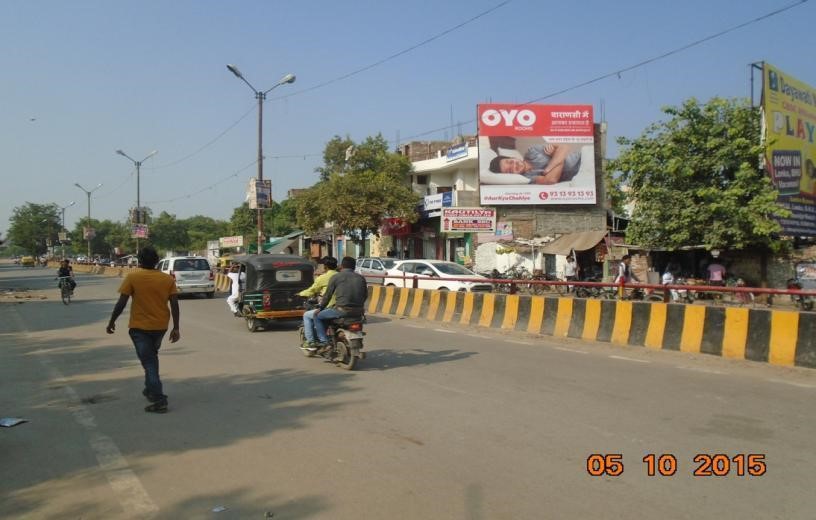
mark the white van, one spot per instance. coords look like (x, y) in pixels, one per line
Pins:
(192, 273)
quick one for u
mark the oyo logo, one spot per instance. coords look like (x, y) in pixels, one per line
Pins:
(493, 117)
(543, 195)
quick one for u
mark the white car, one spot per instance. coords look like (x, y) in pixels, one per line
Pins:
(436, 274)
(192, 273)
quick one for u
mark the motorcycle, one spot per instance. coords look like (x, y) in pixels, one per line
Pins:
(804, 302)
(345, 344)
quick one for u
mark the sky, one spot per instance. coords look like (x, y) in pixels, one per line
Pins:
(82, 79)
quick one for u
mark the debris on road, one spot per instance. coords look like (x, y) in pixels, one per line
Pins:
(8, 422)
(219, 509)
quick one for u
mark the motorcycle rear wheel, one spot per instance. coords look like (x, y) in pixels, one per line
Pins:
(344, 358)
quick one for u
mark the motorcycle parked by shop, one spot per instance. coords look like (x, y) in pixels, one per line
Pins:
(804, 302)
(345, 344)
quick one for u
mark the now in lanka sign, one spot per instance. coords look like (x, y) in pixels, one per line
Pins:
(468, 220)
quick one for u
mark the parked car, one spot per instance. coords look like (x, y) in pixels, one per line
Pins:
(436, 274)
(374, 266)
(192, 273)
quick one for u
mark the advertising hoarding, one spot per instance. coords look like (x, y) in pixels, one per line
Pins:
(236, 241)
(789, 111)
(536, 154)
(139, 231)
(259, 193)
(468, 220)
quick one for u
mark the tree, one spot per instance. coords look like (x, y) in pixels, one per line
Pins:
(169, 233)
(334, 156)
(32, 225)
(696, 180)
(243, 221)
(202, 229)
(358, 193)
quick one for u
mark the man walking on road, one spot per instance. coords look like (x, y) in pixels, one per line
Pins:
(149, 316)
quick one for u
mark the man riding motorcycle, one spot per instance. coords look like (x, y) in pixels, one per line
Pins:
(318, 288)
(348, 291)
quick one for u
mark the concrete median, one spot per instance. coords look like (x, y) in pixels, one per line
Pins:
(786, 338)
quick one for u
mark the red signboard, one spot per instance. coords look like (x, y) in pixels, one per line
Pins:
(395, 227)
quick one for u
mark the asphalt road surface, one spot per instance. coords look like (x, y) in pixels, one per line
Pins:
(438, 423)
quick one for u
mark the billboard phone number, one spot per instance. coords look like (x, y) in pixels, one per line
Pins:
(707, 465)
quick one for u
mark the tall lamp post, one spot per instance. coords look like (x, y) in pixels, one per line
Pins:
(63, 230)
(88, 193)
(138, 165)
(260, 95)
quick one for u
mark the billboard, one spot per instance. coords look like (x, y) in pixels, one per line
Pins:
(259, 193)
(234, 241)
(789, 112)
(139, 231)
(536, 154)
(467, 220)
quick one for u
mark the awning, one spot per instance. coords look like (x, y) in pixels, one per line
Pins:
(565, 244)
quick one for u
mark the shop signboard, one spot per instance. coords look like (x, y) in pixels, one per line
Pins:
(236, 241)
(468, 220)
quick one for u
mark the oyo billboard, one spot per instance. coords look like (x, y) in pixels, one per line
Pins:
(536, 154)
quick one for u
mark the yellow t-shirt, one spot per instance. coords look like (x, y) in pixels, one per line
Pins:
(150, 291)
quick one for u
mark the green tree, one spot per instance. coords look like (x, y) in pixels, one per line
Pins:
(243, 221)
(201, 229)
(282, 218)
(169, 233)
(359, 192)
(696, 179)
(33, 225)
(334, 156)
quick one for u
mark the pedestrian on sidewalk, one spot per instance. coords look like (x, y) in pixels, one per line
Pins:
(149, 316)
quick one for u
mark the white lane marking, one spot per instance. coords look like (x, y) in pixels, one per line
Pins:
(413, 326)
(477, 336)
(703, 370)
(792, 383)
(517, 342)
(446, 331)
(574, 351)
(622, 358)
(126, 485)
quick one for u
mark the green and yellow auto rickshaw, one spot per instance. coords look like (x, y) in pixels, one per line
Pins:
(270, 290)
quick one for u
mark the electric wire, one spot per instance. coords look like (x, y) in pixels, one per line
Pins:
(615, 73)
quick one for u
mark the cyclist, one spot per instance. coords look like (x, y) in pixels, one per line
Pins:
(65, 269)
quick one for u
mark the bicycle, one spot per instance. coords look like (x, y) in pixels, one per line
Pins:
(65, 289)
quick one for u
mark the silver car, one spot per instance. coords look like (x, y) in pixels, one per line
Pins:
(368, 266)
(192, 274)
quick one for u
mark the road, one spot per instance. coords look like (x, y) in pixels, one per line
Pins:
(439, 422)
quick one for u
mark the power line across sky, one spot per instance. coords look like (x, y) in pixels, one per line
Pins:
(154, 78)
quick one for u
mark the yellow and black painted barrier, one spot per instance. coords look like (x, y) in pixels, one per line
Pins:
(774, 336)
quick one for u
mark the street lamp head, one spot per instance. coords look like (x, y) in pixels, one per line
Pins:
(120, 152)
(234, 70)
(289, 78)
(78, 186)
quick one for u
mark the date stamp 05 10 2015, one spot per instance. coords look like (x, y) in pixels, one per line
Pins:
(716, 465)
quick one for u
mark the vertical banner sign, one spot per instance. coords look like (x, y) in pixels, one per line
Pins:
(789, 108)
(259, 193)
(536, 154)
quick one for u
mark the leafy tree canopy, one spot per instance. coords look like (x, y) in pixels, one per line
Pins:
(356, 194)
(696, 179)
(33, 225)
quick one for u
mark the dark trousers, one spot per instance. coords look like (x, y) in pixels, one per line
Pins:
(148, 343)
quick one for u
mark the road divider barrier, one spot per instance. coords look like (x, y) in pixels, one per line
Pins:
(786, 338)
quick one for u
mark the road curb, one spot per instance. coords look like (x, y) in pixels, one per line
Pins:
(778, 337)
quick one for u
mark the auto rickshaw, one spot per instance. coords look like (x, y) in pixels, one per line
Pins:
(271, 287)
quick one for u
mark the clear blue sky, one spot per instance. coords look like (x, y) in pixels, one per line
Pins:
(83, 78)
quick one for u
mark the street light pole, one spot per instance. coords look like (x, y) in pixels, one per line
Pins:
(138, 165)
(88, 193)
(260, 95)
(62, 242)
